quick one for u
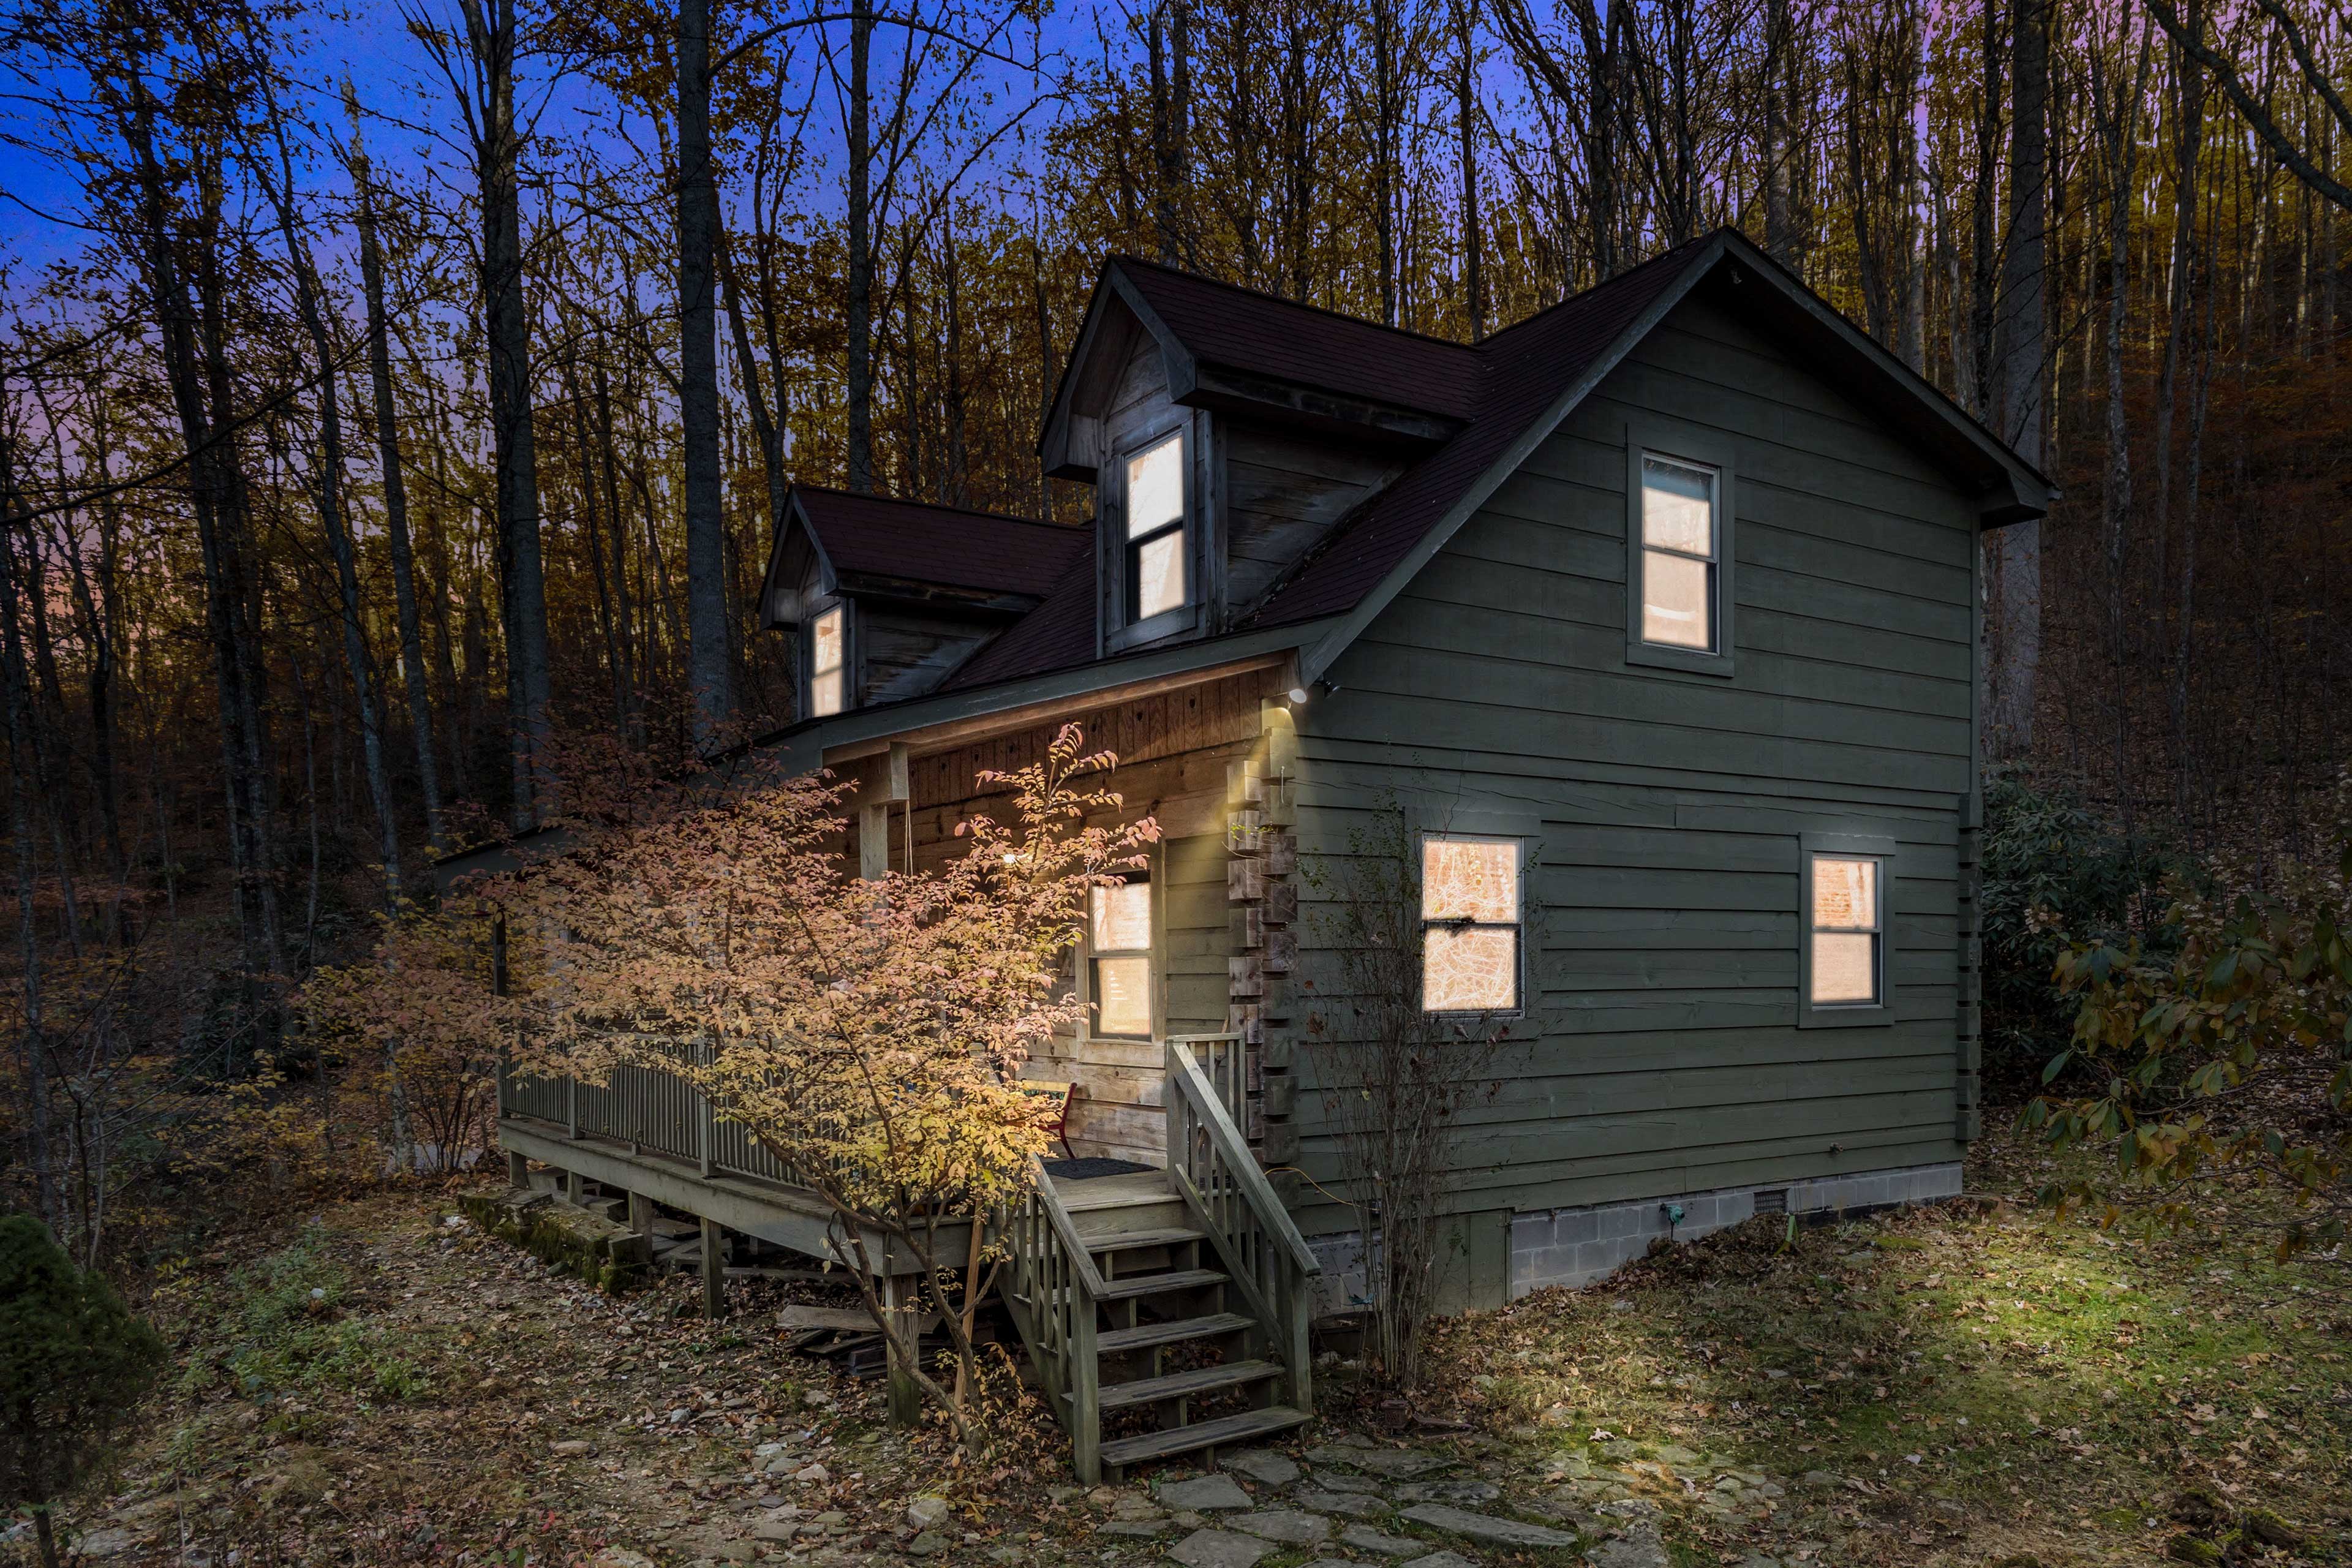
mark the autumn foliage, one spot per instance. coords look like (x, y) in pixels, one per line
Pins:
(869, 1034)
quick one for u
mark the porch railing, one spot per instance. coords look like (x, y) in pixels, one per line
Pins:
(1216, 1175)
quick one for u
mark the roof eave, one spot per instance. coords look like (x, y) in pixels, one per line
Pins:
(813, 742)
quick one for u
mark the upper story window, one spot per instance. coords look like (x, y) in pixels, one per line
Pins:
(1469, 925)
(1681, 549)
(1155, 530)
(1119, 952)
(1678, 546)
(828, 662)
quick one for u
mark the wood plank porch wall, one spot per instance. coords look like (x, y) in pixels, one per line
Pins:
(1173, 751)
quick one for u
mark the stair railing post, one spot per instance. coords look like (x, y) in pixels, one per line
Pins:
(1085, 1386)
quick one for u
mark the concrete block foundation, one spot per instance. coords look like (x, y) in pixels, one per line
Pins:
(1579, 1245)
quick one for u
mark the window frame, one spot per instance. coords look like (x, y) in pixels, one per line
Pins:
(1676, 443)
(848, 658)
(1121, 628)
(1089, 955)
(1518, 926)
(1846, 1015)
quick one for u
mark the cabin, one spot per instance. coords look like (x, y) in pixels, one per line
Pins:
(1648, 626)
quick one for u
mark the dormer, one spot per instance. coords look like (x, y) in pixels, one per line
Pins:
(888, 598)
(1226, 433)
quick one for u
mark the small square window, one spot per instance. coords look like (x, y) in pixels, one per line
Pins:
(1118, 943)
(829, 662)
(1679, 554)
(1469, 925)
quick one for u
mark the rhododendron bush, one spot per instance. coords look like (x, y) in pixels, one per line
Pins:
(869, 1034)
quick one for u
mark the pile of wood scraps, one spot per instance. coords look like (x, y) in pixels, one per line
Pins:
(847, 1338)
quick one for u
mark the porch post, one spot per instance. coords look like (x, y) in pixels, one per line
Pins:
(714, 1269)
(899, 1300)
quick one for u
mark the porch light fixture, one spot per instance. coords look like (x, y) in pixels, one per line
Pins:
(1297, 695)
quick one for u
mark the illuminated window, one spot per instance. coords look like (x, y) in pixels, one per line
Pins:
(1119, 946)
(1469, 925)
(1843, 965)
(1681, 552)
(1155, 530)
(829, 662)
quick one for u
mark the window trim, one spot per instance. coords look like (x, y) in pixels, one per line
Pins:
(848, 658)
(1519, 926)
(1679, 443)
(1119, 630)
(1089, 1019)
(1846, 1015)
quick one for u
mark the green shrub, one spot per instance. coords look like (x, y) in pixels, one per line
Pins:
(2053, 869)
(74, 1360)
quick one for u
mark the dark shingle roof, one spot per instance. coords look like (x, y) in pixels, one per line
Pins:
(874, 537)
(1057, 635)
(1281, 339)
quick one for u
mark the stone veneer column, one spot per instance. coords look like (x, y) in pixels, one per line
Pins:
(1967, 1119)
(1262, 891)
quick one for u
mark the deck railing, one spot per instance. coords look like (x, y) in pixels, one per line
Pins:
(1213, 1171)
(652, 1110)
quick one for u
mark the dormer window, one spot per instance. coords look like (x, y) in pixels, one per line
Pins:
(829, 663)
(1155, 530)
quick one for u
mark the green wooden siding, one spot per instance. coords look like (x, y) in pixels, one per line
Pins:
(1661, 1052)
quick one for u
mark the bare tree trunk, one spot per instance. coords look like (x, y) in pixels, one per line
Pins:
(2116, 105)
(2185, 653)
(395, 502)
(22, 788)
(326, 495)
(1169, 49)
(624, 672)
(958, 467)
(2016, 622)
(709, 670)
(1779, 230)
(2189, 135)
(216, 503)
(490, 28)
(861, 249)
(1465, 108)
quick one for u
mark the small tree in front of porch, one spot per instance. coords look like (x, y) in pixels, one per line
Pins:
(867, 1033)
(1395, 1076)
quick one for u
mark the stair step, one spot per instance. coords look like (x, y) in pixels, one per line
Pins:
(1240, 1428)
(1171, 1279)
(1182, 1384)
(1115, 1340)
(1136, 1241)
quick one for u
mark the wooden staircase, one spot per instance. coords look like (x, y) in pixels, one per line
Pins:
(1172, 1303)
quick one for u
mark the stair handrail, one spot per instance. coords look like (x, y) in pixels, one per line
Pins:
(1209, 1114)
(1053, 1273)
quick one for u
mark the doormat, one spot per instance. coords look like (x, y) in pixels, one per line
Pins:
(1088, 1169)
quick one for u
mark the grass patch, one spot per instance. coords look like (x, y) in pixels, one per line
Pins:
(282, 1326)
(1950, 1368)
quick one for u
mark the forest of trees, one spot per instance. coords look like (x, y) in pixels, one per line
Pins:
(361, 440)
